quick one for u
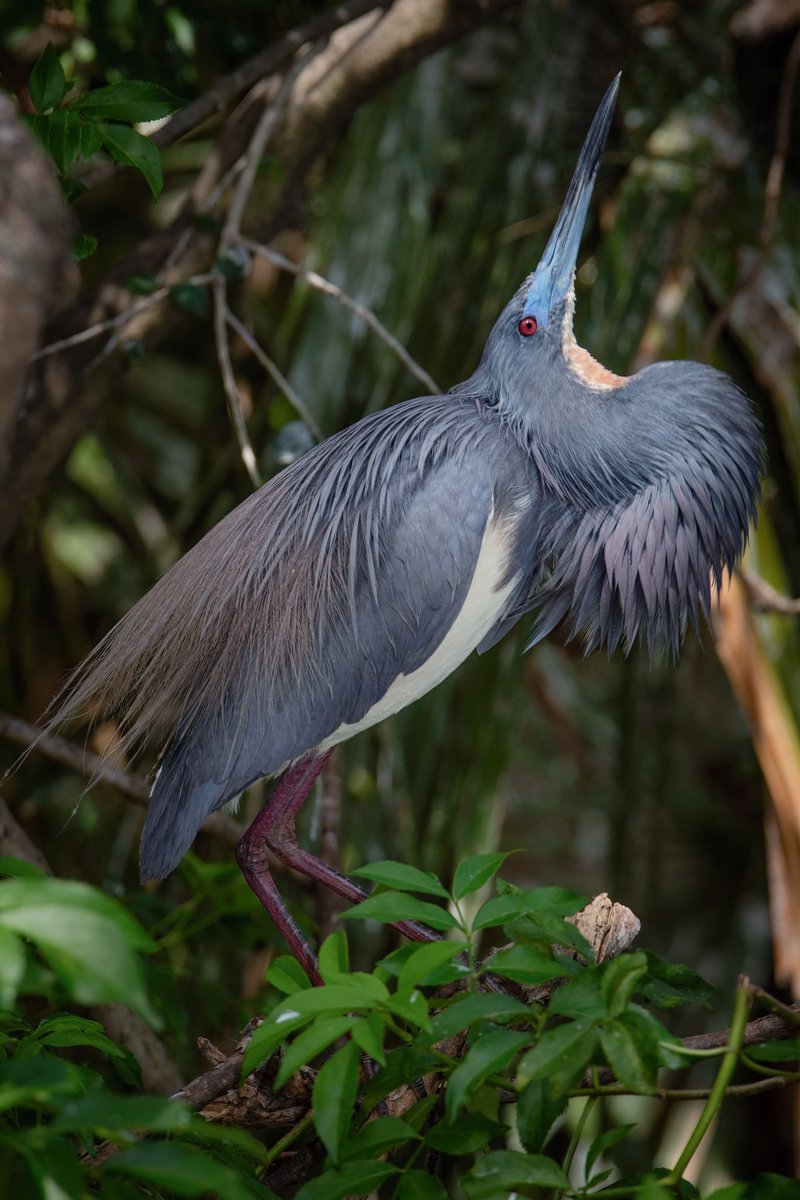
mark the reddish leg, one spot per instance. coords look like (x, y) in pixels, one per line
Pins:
(274, 829)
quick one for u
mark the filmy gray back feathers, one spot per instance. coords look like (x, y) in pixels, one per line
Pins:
(297, 612)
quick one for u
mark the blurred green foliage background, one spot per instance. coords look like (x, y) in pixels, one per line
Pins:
(624, 776)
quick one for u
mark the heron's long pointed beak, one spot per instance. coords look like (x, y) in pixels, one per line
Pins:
(552, 278)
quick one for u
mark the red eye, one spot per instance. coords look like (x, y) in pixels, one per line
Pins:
(527, 326)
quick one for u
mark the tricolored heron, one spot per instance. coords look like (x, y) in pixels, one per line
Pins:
(363, 574)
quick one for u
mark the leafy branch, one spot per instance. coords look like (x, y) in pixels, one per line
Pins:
(74, 128)
(448, 1046)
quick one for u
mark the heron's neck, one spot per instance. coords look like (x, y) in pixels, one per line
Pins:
(580, 362)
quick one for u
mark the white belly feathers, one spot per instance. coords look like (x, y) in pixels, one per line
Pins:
(483, 604)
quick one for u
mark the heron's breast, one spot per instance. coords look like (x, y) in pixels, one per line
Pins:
(483, 605)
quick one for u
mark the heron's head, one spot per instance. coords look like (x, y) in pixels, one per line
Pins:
(653, 478)
(532, 349)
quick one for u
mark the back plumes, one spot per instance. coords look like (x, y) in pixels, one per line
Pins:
(253, 600)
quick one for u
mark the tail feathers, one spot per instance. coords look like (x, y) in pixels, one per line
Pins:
(179, 804)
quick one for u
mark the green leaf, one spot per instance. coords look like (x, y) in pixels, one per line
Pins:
(581, 998)
(67, 1029)
(469, 1008)
(185, 1170)
(32, 1082)
(191, 299)
(562, 1055)
(474, 872)
(605, 1141)
(404, 1064)
(403, 878)
(47, 84)
(671, 1051)
(307, 1045)
(88, 939)
(334, 1095)
(367, 1032)
(90, 139)
(352, 1179)
(733, 1191)
(285, 973)
(391, 907)
(783, 1051)
(12, 966)
(472, 1132)
(504, 1171)
(106, 1114)
(72, 190)
(54, 1170)
(134, 150)
(419, 1185)
(60, 134)
(17, 868)
(631, 1049)
(266, 1039)
(329, 998)
(538, 1108)
(233, 262)
(376, 1137)
(490, 1053)
(131, 101)
(668, 985)
(768, 1186)
(145, 285)
(511, 906)
(620, 978)
(334, 958)
(547, 930)
(83, 246)
(425, 959)
(528, 964)
(448, 972)
(412, 1007)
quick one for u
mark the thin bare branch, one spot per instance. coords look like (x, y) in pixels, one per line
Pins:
(276, 374)
(221, 320)
(95, 767)
(264, 130)
(765, 598)
(321, 284)
(120, 319)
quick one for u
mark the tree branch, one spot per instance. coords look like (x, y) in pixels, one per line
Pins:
(366, 314)
(95, 767)
(765, 598)
(66, 389)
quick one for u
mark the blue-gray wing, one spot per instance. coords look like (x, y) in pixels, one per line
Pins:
(373, 549)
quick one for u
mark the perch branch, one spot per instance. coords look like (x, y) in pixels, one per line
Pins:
(95, 767)
(765, 598)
